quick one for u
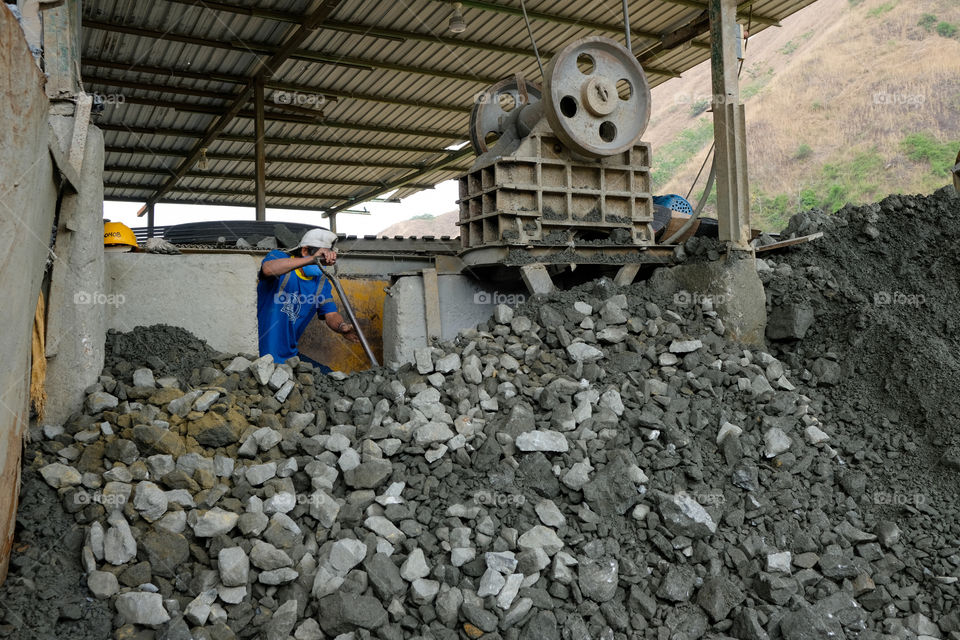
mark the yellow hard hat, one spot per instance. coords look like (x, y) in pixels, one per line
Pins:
(117, 233)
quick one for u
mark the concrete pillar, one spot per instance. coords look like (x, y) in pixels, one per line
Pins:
(78, 303)
(465, 303)
(729, 127)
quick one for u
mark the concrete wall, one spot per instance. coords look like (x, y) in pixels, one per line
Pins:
(214, 296)
(464, 303)
(28, 197)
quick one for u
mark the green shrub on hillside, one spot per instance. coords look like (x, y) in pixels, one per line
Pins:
(924, 148)
(676, 153)
(699, 107)
(946, 29)
(928, 21)
(803, 152)
(881, 9)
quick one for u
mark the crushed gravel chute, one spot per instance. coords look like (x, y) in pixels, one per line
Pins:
(597, 463)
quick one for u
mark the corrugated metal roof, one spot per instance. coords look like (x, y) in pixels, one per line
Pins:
(383, 89)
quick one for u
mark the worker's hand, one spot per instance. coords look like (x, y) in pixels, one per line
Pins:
(326, 256)
(349, 332)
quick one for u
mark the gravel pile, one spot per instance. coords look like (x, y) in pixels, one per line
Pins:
(599, 463)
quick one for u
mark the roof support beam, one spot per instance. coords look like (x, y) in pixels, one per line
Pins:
(549, 17)
(226, 192)
(249, 178)
(306, 55)
(743, 11)
(316, 122)
(395, 35)
(323, 94)
(210, 202)
(181, 153)
(278, 141)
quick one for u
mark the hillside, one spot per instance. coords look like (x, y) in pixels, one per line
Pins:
(848, 101)
(437, 226)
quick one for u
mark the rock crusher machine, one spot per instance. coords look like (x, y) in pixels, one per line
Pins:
(562, 176)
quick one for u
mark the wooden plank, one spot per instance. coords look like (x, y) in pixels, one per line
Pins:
(791, 242)
(431, 297)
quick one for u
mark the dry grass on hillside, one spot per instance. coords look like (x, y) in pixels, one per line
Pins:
(830, 98)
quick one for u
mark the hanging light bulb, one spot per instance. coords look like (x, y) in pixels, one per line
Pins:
(457, 25)
(202, 164)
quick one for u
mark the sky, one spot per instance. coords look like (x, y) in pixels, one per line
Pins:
(440, 199)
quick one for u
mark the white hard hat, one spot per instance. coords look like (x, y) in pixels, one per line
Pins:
(318, 238)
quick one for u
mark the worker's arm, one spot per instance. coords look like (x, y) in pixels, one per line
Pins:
(280, 266)
(338, 325)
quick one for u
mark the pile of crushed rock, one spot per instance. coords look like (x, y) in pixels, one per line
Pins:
(598, 463)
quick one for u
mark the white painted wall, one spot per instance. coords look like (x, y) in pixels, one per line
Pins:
(213, 296)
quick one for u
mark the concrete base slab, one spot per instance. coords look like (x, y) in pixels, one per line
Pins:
(731, 285)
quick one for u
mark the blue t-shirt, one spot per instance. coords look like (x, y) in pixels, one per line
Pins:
(283, 316)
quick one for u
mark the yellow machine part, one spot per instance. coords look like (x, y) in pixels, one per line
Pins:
(321, 344)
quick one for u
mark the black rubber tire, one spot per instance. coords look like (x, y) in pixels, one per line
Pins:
(229, 230)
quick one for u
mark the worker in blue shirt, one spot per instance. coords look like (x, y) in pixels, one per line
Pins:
(290, 290)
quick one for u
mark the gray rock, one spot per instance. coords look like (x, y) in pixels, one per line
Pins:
(234, 566)
(100, 401)
(212, 523)
(150, 501)
(265, 556)
(60, 475)
(102, 584)
(278, 576)
(385, 577)
(138, 607)
(415, 566)
(542, 440)
(718, 596)
(346, 554)
(678, 584)
(370, 474)
(685, 516)
(540, 537)
(598, 578)
(583, 352)
(282, 622)
(345, 612)
(789, 321)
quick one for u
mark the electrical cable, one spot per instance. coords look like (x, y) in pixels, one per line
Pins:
(533, 41)
(626, 26)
